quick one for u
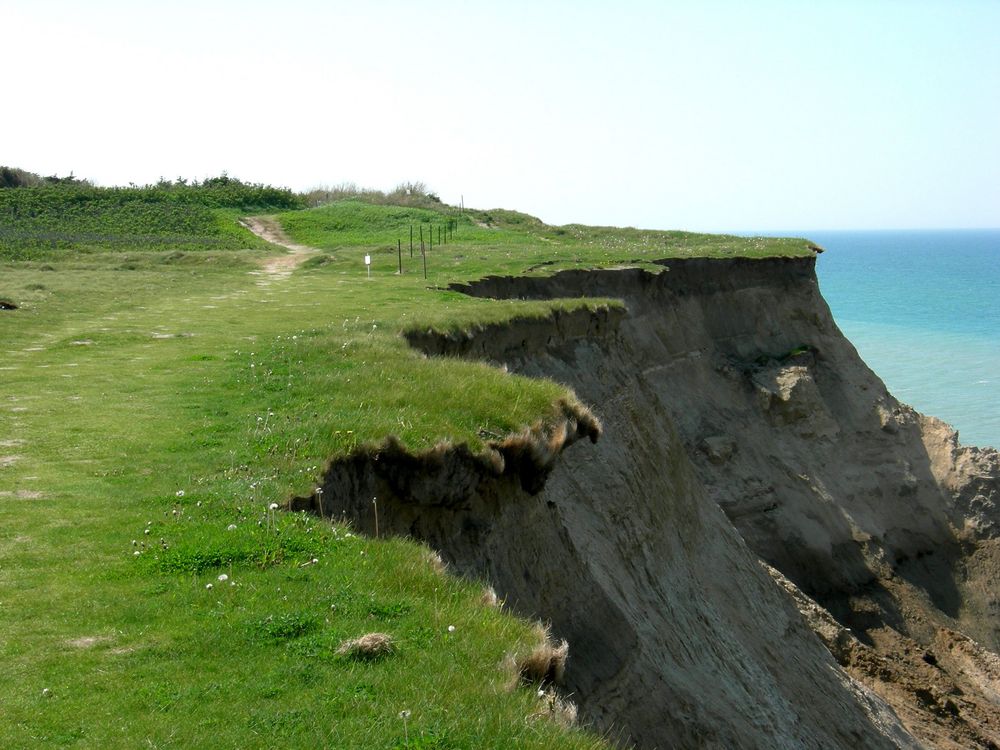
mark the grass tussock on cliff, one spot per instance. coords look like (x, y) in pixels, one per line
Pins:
(545, 664)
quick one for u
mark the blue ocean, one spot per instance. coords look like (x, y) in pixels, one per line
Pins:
(923, 310)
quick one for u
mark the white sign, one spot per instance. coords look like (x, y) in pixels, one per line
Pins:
(368, 260)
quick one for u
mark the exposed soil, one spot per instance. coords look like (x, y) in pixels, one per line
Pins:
(888, 524)
(739, 426)
(281, 266)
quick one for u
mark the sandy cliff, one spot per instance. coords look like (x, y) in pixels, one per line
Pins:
(755, 486)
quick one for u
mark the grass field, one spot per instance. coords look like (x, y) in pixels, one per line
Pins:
(155, 402)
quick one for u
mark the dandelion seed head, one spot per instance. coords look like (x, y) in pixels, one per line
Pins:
(179, 493)
(273, 506)
(223, 577)
(451, 628)
(209, 586)
(231, 527)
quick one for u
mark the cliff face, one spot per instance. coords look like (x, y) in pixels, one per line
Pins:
(739, 426)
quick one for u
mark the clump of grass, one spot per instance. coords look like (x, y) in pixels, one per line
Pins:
(369, 647)
(490, 598)
(544, 665)
(435, 562)
(286, 626)
(556, 708)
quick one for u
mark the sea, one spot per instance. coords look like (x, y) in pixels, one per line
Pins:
(923, 310)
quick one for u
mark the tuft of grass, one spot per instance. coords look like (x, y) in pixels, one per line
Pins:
(556, 708)
(285, 626)
(545, 664)
(368, 647)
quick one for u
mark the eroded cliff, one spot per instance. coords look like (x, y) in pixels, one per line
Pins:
(739, 425)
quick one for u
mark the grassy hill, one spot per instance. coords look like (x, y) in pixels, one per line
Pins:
(160, 390)
(51, 218)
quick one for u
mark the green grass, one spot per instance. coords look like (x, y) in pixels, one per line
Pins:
(49, 220)
(501, 241)
(152, 400)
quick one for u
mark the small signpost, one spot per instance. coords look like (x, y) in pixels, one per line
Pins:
(368, 265)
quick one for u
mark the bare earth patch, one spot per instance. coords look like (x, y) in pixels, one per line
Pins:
(280, 267)
(29, 495)
(88, 641)
(6, 461)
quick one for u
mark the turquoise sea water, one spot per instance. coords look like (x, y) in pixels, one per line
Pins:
(923, 310)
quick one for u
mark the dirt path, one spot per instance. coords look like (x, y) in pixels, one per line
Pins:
(281, 266)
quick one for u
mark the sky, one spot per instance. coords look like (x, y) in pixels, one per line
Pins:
(709, 116)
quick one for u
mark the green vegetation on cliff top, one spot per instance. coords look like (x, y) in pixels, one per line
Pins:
(157, 396)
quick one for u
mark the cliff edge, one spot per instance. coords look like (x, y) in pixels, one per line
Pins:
(755, 486)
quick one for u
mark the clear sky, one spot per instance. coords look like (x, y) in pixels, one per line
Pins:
(780, 114)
